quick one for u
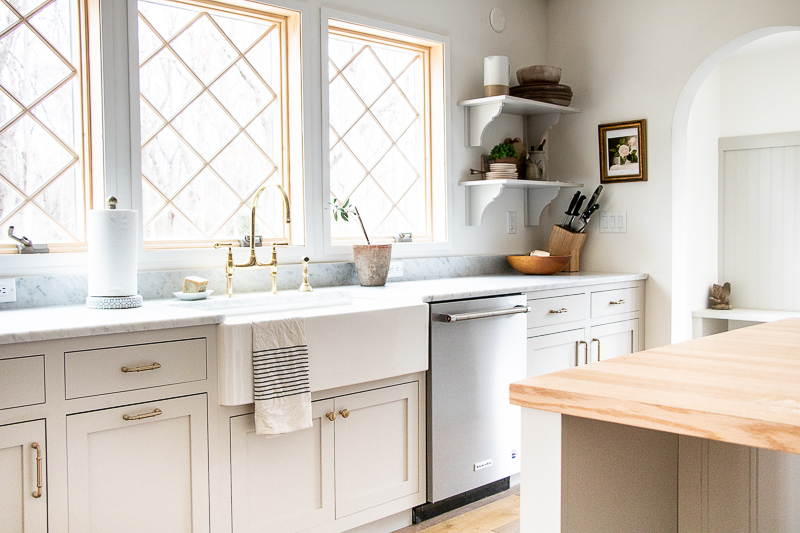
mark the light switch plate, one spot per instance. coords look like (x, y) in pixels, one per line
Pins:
(8, 290)
(396, 269)
(613, 222)
(511, 218)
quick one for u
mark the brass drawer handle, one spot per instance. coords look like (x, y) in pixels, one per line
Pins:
(585, 352)
(331, 416)
(345, 413)
(155, 412)
(35, 446)
(598, 348)
(618, 302)
(557, 311)
(154, 366)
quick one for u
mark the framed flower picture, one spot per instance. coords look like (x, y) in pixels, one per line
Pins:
(623, 151)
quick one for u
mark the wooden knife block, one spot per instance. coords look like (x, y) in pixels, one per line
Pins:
(564, 242)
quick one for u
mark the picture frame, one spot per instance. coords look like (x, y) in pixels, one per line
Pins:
(623, 151)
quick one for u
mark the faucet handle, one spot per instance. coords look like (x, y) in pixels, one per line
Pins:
(218, 245)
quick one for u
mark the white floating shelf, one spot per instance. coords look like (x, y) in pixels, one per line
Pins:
(482, 111)
(481, 193)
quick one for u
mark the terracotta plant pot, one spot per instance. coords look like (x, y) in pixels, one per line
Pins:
(372, 263)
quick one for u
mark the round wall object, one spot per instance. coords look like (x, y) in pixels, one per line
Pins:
(497, 19)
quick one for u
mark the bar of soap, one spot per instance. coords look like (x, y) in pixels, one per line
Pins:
(194, 284)
(540, 253)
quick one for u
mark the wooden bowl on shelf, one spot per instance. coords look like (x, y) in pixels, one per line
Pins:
(531, 264)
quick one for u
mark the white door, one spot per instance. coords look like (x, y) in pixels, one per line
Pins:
(557, 351)
(377, 447)
(282, 483)
(613, 340)
(139, 468)
(23, 505)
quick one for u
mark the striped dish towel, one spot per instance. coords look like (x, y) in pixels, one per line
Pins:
(280, 376)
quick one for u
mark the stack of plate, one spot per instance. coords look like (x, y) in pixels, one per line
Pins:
(502, 171)
(544, 92)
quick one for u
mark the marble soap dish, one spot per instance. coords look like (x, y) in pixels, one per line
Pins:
(192, 295)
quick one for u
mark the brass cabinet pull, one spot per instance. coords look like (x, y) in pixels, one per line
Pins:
(35, 446)
(557, 311)
(618, 302)
(585, 352)
(154, 366)
(155, 412)
(598, 347)
(331, 416)
(345, 413)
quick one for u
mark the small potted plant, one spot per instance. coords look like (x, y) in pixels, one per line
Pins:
(371, 260)
(509, 151)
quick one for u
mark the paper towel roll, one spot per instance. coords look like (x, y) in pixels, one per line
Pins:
(112, 235)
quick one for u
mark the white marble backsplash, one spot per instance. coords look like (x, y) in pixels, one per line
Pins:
(40, 291)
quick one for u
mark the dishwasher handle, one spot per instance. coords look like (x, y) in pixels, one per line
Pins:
(485, 314)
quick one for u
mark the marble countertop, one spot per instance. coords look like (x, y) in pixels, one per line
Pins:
(48, 323)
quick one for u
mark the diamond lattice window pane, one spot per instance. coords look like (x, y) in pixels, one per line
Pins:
(149, 121)
(373, 205)
(9, 200)
(29, 156)
(265, 58)
(168, 162)
(60, 113)
(203, 47)
(62, 199)
(242, 166)
(148, 41)
(170, 225)
(346, 173)
(205, 126)
(241, 92)
(29, 68)
(394, 59)
(206, 201)
(167, 20)
(367, 141)
(345, 107)
(236, 226)
(7, 17)
(394, 224)
(342, 50)
(38, 226)
(24, 7)
(413, 207)
(367, 77)
(53, 22)
(411, 144)
(410, 82)
(243, 33)
(265, 131)
(394, 175)
(394, 112)
(8, 109)
(167, 84)
(151, 201)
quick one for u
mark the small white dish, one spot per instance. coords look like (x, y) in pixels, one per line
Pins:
(192, 295)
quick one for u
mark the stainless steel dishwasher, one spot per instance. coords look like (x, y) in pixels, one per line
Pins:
(477, 349)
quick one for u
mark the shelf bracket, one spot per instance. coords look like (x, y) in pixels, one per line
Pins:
(535, 202)
(536, 199)
(478, 118)
(537, 126)
(478, 199)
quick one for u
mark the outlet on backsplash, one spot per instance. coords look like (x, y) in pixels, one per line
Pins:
(396, 269)
(8, 290)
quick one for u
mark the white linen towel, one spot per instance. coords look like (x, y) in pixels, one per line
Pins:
(280, 376)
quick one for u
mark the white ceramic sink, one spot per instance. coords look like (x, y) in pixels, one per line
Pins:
(351, 340)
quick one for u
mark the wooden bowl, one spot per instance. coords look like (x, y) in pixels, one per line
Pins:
(538, 74)
(530, 264)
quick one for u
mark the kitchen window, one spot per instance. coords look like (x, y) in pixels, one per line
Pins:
(386, 130)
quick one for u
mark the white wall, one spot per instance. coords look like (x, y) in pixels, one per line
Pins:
(629, 61)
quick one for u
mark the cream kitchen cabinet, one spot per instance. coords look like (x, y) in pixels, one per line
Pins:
(362, 459)
(141, 467)
(23, 471)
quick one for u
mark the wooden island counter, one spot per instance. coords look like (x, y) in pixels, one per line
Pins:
(688, 437)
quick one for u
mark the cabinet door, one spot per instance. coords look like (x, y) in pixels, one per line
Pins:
(557, 351)
(377, 447)
(20, 510)
(613, 340)
(138, 468)
(282, 483)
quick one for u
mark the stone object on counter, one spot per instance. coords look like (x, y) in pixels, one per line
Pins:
(721, 296)
(192, 284)
(540, 253)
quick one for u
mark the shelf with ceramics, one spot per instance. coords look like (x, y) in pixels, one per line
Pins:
(480, 193)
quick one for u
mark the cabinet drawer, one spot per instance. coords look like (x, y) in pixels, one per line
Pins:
(557, 310)
(21, 381)
(141, 366)
(614, 302)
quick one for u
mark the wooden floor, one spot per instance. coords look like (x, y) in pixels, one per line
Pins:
(497, 514)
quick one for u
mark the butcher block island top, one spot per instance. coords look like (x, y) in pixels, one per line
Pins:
(741, 387)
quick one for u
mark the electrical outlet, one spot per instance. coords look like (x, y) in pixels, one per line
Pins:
(511, 217)
(8, 290)
(613, 222)
(396, 269)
